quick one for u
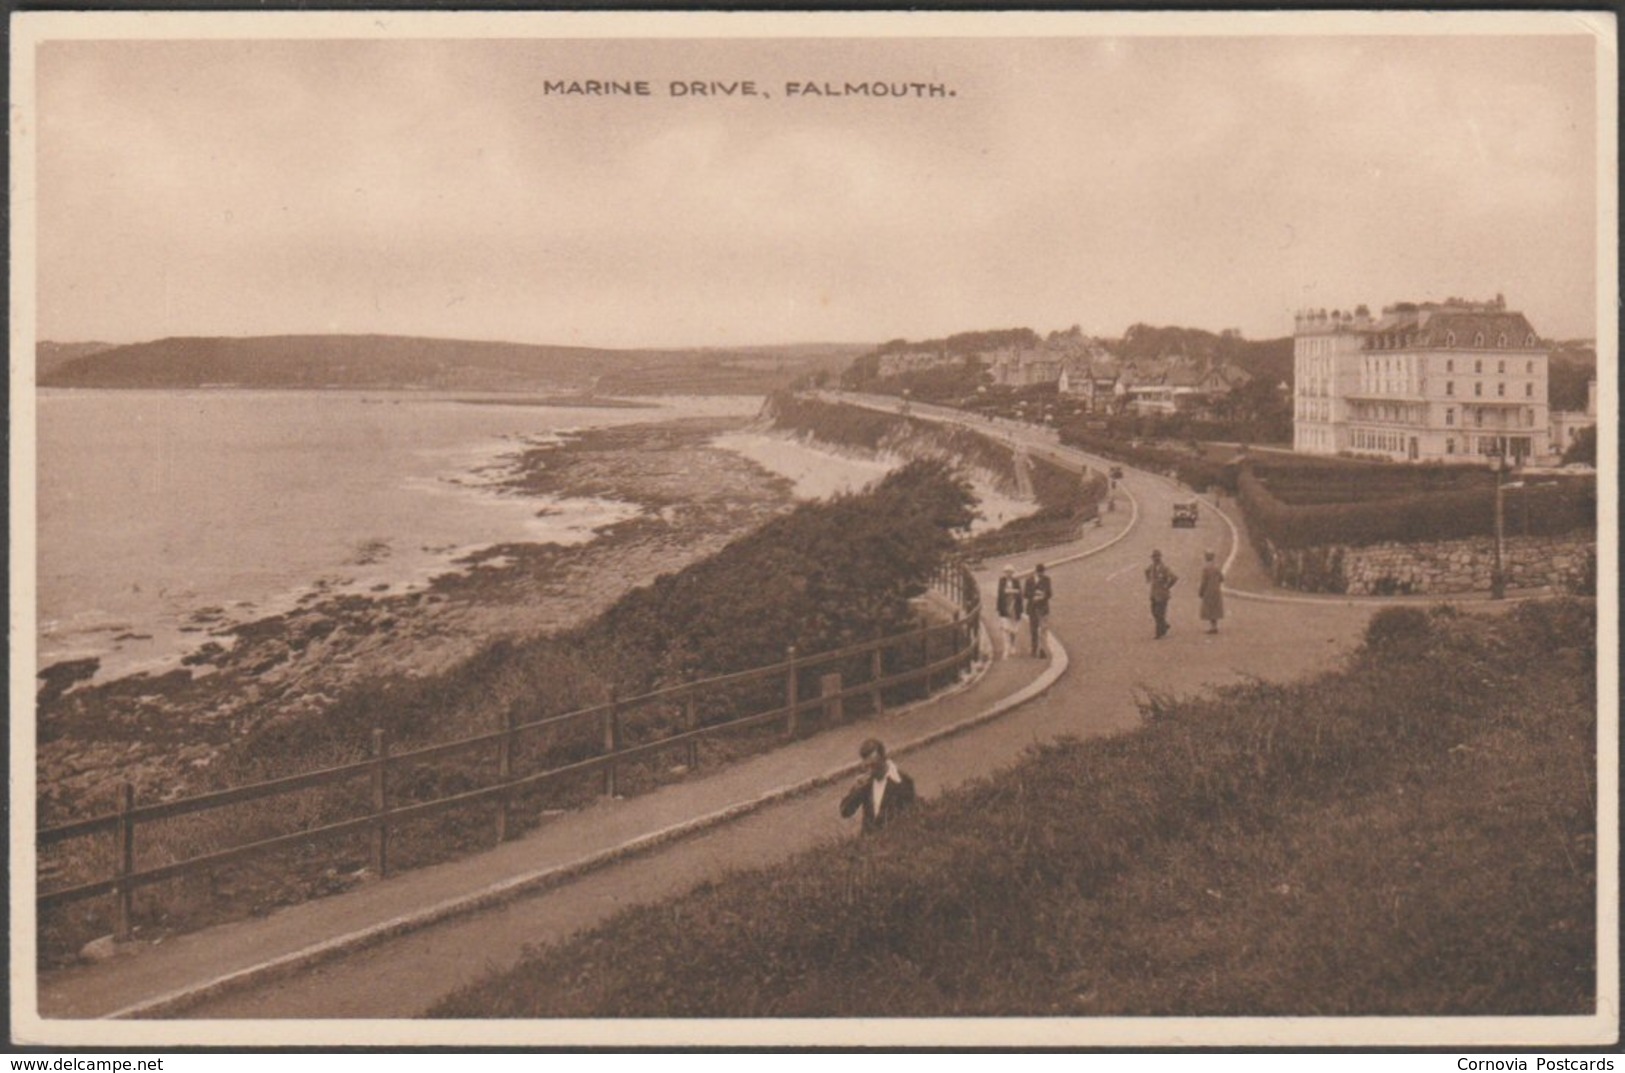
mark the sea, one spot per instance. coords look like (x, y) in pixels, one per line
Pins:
(163, 515)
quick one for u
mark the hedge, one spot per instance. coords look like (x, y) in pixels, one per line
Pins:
(1419, 516)
(1192, 470)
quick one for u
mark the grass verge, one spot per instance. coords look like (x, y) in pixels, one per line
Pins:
(1411, 835)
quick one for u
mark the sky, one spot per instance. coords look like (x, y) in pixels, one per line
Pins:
(437, 187)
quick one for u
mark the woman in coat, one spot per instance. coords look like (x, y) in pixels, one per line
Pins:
(1212, 593)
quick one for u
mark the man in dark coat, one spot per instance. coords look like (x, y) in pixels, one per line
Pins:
(1162, 581)
(1009, 606)
(1037, 593)
(882, 793)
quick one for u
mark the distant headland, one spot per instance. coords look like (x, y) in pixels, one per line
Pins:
(384, 362)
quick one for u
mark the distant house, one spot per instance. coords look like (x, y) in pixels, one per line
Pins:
(1176, 383)
(1025, 366)
(1567, 424)
(1091, 377)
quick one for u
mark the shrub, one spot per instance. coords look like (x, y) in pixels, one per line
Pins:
(1188, 468)
(1400, 630)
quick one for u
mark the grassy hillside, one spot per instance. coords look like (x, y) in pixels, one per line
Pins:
(382, 361)
(1413, 835)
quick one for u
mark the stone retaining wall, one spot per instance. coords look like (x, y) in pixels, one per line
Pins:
(1564, 563)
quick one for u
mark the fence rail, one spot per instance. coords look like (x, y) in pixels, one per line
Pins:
(952, 580)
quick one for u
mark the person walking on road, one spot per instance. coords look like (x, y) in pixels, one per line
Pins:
(1212, 593)
(1009, 606)
(1162, 581)
(881, 793)
(1037, 594)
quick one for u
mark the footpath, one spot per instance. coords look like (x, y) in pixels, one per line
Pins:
(169, 977)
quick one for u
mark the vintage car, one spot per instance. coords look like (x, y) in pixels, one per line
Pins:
(1185, 515)
(1117, 473)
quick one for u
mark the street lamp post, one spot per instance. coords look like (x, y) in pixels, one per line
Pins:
(1498, 586)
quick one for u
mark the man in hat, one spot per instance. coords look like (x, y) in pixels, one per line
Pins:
(881, 793)
(1009, 607)
(1162, 581)
(1037, 593)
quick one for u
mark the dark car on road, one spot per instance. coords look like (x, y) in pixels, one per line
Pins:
(1185, 515)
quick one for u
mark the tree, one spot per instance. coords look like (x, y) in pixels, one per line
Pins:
(1584, 447)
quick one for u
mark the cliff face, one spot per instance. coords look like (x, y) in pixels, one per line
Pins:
(858, 428)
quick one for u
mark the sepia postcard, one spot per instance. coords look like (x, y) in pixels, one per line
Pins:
(834, 530)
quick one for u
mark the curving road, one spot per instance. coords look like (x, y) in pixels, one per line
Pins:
(1102, 618)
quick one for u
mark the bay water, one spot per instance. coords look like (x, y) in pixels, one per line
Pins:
(165, 516)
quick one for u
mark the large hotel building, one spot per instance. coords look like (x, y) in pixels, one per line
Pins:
(1449, 381)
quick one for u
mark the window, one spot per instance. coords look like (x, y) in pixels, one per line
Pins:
(1478, 366)
(1478, 418)
(1449, 387)
(1449, 338)
(1450, 365)
(1501, 390)
(1478, 389)
(1529, 340)
(1501, 366)
(1529, 391)
(1450, 415)
(1478, 339)
(1501, 342)
(1450, 445)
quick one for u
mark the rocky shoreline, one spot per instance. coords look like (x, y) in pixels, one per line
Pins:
(166, 733)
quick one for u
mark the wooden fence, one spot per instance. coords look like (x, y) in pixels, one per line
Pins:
(798, 672)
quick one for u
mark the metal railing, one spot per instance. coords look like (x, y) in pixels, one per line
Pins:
(952, 580)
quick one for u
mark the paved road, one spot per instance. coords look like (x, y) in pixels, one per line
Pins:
(1102, 617)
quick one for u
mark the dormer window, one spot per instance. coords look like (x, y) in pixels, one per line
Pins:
(1529, 340)
(1449, 338)
(1502, 341)
(1478, 340)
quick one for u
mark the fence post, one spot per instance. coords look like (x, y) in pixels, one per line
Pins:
(829, 688)
(380, 832)
(124, 835)
(790, 692)
(504, 773)
(691, 722)
(612, 741)
(925, 651)
(876, 672)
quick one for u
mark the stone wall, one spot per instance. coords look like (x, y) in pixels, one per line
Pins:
(1443, 567)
